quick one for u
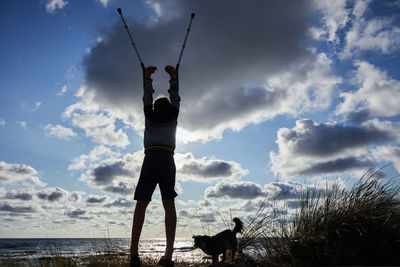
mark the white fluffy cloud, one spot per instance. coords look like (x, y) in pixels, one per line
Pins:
(377, 96)
(2, 122)
(59, 131)
(83, 161)
(12, 173)
(335, 16)
(388, 154)
(370, 34)
(100, 127)
(53, 5)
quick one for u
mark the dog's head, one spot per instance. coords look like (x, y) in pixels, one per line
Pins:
(200, 241)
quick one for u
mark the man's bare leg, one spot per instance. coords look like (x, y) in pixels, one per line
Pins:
(170, 227)
(138, 220)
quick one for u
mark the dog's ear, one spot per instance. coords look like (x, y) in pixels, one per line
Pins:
(193, 236)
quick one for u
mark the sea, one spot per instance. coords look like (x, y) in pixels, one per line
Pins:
(32, 249)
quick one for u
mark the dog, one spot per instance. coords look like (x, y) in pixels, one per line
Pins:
(219, 243)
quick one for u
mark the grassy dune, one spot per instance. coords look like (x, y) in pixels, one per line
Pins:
(353, 226)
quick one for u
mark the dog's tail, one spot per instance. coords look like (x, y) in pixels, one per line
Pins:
(238, 226)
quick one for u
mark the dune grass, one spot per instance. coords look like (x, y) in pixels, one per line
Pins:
(351, 226)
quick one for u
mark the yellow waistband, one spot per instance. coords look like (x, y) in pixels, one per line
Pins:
(159, 148)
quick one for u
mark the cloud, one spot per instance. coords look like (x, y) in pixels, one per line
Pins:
(104, 2)
(97, 153)
(104, 175)
(388, 154)
(115, 175)
(120, 203)
(289, 190)
(335, 16)
(37, 106)
(23, 124)
(206, 170)
(24, 195)
(16, 209)
(63, 90)
(238, 190)
(12, 173)
(77, 214)
(320, 149)
(76, 196)
(34, 181)
(238, 87)
(101, 128)
(370, 34)
(52, 194)
(59, 131)
(376, 97)
(95, 199)
(121, 189)
(2, 122)
(53, 5)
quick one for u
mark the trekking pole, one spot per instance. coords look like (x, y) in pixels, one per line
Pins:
(132, 41)
(184, 42)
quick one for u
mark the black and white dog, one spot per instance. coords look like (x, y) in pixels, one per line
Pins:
(219, 243)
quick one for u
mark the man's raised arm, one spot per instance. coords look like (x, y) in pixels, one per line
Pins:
(148, 86)
(174, 86)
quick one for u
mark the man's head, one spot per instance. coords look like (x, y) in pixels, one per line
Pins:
(161, 102)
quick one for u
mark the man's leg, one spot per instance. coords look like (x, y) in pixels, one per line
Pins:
(138, 219)
(170, 226)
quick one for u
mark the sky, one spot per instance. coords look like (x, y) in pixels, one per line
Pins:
(277, 96)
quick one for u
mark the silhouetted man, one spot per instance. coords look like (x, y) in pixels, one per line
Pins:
(158, 164)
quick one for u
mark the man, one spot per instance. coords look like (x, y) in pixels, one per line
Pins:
(158, 164)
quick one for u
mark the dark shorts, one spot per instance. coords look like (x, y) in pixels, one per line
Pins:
(158, 168)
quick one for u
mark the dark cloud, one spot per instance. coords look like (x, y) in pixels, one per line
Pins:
(16, 209)
(77, 214)
(121, 189)
(95, 199)
(105, 174)
(183, 213)
(358, 116)
(21, 195)
(51, 194)
(244, 190)
(232, 44)
(310, 138)
(284, 190)
(338, 165)
(75, 196)
(205, 170)
(213, 168)
(324, 149)
(121, 203)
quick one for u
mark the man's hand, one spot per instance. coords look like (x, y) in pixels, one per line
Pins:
(171, 71)
(149, 71)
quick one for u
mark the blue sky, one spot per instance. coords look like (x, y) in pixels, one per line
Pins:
(275, 96)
